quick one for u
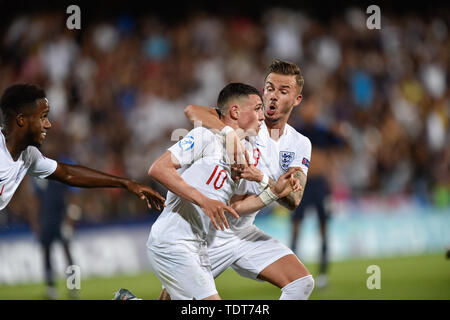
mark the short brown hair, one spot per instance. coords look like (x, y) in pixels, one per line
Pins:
(233, 90)
(287, 68)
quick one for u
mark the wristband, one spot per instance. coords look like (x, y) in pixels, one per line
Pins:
(225, 130)
(267, 196)
(264, 182)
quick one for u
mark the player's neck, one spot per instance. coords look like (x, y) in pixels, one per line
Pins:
(233, 124)
(14, 144)
(276, 129)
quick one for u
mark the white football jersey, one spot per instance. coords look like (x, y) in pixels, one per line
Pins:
(12, 172)
(204, 166)
(273, 158)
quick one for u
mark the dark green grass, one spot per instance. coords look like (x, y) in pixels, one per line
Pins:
(421, 277)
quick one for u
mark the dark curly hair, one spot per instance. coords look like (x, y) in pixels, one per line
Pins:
(19, 98)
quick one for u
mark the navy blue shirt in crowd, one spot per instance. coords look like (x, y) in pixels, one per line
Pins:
(320, 136)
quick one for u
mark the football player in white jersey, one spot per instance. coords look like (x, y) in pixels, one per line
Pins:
(25, 124)
(197, 174)
(245, 248)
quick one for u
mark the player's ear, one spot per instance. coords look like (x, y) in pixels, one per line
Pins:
(20, 120)
(234, 112)
(298, 99)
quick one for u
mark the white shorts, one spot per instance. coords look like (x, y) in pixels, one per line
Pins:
(248, 255)
(183, 270)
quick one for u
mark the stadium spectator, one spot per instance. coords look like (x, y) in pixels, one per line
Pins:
(104, 77)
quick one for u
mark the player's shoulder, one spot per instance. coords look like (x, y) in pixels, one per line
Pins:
(32, 153)
(31, 150)
(3, 149)
(297, 137)
(201, 131)
(197, 136)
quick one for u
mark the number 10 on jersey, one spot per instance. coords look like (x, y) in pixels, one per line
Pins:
(221, 176)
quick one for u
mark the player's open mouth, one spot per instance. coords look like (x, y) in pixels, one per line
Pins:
(271, 110)
(43, 135)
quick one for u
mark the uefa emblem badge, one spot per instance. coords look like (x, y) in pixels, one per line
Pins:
(186, 143)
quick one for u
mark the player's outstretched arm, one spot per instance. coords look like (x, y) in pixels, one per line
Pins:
(164, 170)
(83, 177)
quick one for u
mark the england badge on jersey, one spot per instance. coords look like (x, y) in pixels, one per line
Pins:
(286, 157)
(186, 143)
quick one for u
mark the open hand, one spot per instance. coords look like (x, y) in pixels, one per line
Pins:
(148, 194)
(215, 210)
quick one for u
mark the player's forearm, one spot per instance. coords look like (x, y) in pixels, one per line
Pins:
(252, 203)
(208, 117)
(293, 199)
(83, 177)
(167, 175)
(247, 205)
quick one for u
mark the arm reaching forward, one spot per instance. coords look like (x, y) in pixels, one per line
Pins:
(79, 176)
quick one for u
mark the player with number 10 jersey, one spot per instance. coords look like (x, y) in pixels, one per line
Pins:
(197, 172)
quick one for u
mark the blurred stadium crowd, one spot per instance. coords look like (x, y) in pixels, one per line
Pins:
(117, 89)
